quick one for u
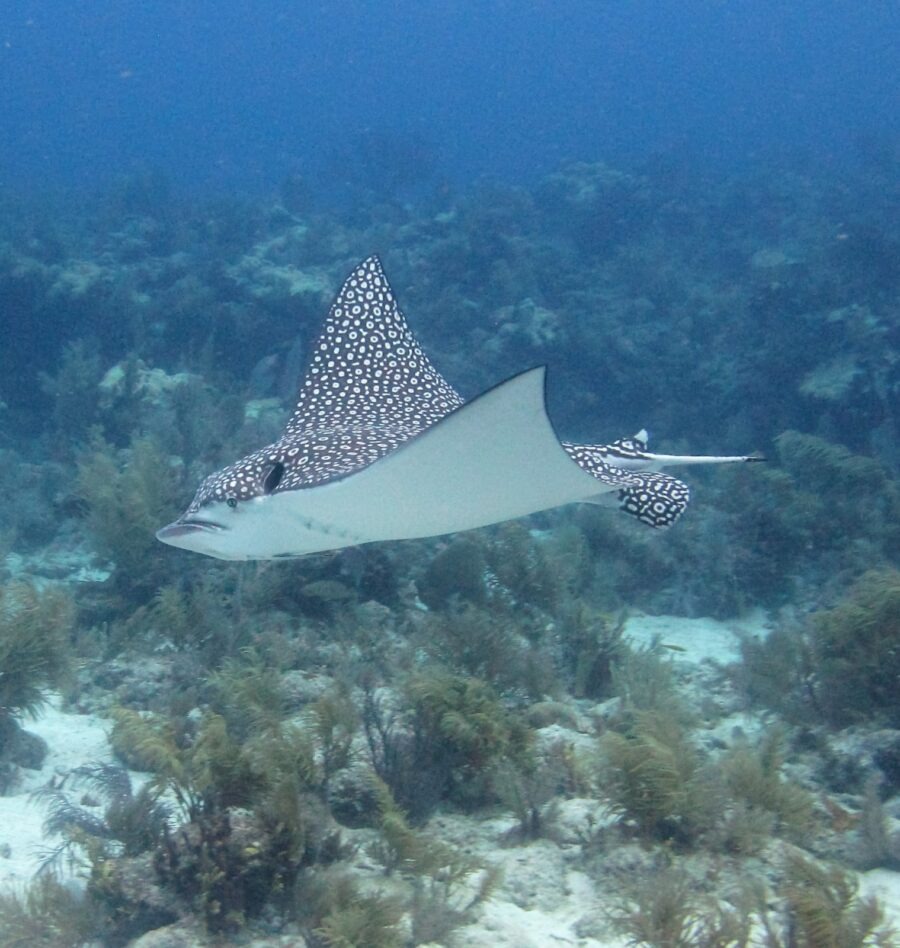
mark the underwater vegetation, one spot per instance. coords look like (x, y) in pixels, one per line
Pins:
(48, 915)
(654, 776)
(839, 665)
(463, 718)
(663, 909)
(305, 731)
(664, 786)
(124, 499)
(444, 741)
(761, 794)
(35, 648)
(656, 779)
(820, 908)
(237, 816)
(356, 918)
(251, 795)
(607, 272)
(35, 657)
(823, 908)
(135, 819)
(855, 652)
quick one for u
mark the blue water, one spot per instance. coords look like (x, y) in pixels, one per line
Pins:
(238, 94)
(690, 213)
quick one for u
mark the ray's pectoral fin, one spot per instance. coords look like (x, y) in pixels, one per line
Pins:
(495, 458)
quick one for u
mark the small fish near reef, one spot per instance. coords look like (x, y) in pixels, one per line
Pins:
(381, 447)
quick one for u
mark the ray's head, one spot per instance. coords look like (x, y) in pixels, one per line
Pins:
(368, 388)
(211, 524)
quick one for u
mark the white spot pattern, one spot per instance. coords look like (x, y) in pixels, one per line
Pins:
(368, 388)
(655, 499)
(625, 448)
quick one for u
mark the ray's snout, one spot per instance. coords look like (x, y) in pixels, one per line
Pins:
(177, 532)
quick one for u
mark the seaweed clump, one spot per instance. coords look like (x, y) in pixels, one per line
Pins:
(824, 910)
(664, 910)
(655, 777)
(35, 656)
(251, 817)
(468, 730)
(821, 908)
(840, 666)
(823, 512)
(446, 744)
(115, 844)
(126, 500)
(441, 899)
(47, 915)
(762, 799)
(354, 919)
(35, 651)
(855, 652)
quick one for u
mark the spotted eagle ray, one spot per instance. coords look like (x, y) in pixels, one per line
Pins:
(381, 447)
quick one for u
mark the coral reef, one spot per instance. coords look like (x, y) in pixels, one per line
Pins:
(343, 749)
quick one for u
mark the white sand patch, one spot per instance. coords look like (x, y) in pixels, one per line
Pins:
(543, 898)
(73, 740)
(534, 910)
(505, 925)
(697, 639)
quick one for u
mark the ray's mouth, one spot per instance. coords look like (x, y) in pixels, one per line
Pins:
(186, 527)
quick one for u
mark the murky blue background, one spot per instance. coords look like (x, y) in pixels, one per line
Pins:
(241, 93)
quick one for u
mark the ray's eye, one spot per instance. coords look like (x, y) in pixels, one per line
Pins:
(232, 502)
(273, 477)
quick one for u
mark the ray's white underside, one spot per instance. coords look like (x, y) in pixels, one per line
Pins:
(494, 459)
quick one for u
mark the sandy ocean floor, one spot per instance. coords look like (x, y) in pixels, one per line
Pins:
(545, 899)
(73, 740)
(696, 640)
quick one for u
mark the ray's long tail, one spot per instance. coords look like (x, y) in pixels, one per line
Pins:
(631, 477)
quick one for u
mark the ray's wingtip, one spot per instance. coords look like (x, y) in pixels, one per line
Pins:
(373, 259)
(756, 457)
